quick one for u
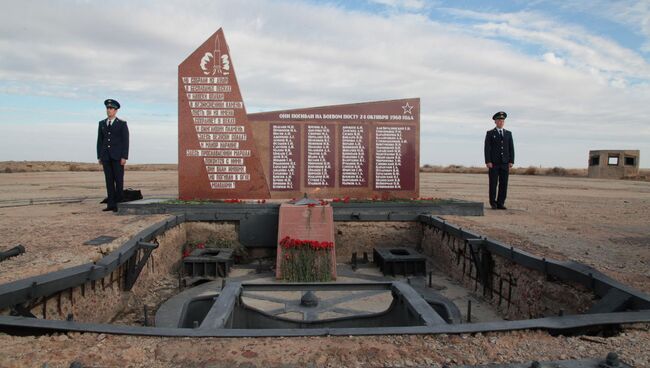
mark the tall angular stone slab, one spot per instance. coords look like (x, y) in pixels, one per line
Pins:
(218, 158)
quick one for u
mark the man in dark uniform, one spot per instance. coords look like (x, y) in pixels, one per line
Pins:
(499, 158)
(112, 153)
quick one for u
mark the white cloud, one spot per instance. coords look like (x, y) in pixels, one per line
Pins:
(634, 14)
(402, 4)
(584, 50)
(551, 58)
(45, 141)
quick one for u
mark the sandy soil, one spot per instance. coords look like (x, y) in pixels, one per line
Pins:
(53, 234)
(603, 223)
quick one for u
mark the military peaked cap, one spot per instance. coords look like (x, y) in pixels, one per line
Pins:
(500, 115)
(112, 103)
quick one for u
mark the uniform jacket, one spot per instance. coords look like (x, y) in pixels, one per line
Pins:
(113, 143)
(499, 150)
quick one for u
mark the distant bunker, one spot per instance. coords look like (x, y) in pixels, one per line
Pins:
(613, 164)
(401, 269)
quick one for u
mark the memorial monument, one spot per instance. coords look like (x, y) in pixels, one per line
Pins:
(217, 157)
(360, 150)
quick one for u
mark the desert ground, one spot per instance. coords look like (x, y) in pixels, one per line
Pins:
(602, 223)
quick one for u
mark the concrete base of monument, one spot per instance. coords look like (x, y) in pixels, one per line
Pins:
(351, 209)
(361, 224)
(257, 223)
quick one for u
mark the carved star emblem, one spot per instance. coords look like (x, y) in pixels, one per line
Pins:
(407, 109)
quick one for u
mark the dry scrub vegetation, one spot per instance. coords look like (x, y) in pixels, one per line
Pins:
(644, 174)
(531, 170)
(57, 166)
(41, 166)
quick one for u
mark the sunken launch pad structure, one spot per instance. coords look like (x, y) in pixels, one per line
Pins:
(529, 291)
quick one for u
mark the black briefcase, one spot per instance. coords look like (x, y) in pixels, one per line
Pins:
(128, 195)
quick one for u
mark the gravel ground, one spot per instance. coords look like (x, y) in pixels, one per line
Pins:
(603, 223)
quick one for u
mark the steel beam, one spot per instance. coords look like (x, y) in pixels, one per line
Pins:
(564, 325)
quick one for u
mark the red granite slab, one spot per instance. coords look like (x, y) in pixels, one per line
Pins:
(217, 156)
(306, 223)
(360, 150)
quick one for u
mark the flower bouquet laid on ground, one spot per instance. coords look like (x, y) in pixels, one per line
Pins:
(306, 260)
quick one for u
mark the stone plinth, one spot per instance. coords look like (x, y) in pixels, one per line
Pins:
(306, 223)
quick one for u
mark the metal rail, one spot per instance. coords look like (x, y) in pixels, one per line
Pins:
(13, 252)
(565, 325)
(38, 201)
(25, 290)
(620, 295)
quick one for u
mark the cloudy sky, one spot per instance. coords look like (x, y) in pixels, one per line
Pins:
(573, 75)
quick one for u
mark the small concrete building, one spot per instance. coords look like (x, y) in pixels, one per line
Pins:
(613, 164)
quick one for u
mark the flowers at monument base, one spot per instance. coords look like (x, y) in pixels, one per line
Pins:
(306, 260)
(289, 242)
(189, 247)
(338, 200)
(383, 198)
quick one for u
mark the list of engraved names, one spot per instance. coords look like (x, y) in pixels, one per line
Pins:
(389, 150)
(354, 155)
(320, 155)
(285, 146)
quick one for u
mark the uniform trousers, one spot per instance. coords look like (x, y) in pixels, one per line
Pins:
(498, 175)
(114, 175)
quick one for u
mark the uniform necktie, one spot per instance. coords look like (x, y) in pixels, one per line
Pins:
(501, 132)
(109, 124)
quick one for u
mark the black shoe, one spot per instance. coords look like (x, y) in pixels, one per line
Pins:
(501, 208)
(493, 206)
(114, 209)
